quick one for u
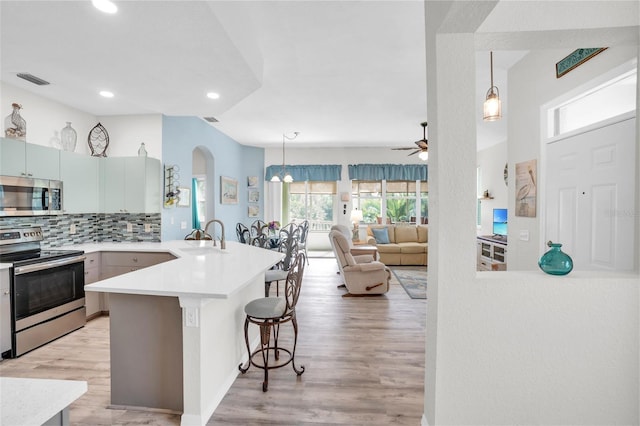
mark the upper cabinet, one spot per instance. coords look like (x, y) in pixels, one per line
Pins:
(80, 177)
(18, 158)
(132, 185)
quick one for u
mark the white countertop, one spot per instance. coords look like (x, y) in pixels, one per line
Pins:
(201, 270)
(34, 401)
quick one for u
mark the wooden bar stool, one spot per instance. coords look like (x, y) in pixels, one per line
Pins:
(269, 313)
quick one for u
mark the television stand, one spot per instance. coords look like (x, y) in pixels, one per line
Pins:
(492, 253)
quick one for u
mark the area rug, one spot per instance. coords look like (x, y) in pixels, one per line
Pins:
(413, 280)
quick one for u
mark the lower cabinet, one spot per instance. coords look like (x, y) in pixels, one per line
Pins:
(5, 312)
(92, 300)
(107, 264)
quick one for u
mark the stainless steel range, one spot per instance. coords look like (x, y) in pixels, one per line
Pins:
(46, 289)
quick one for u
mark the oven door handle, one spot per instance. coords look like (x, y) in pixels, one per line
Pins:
(46, 265)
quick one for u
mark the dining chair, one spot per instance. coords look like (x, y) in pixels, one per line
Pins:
(304, 234)
(243, 233)
(258, 227)
(269, 313)
(288, 240)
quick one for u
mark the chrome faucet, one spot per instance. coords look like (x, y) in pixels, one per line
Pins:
(223, 245)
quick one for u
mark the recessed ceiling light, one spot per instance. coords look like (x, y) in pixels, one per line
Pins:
(106, 94)
(105, 6)
(213, 95)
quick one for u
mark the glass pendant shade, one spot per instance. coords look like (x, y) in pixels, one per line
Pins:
(492, 106)
(275, 178)
(423, 155)
(287, 178)
(555, 261)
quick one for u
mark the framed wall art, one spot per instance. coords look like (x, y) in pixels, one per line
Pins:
(184, 199)
(576, 58)
(252, 181)
(254, 196)
(228, 190)
(254, 210)
(526, 188)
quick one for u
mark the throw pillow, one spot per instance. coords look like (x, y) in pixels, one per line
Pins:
(381, 235)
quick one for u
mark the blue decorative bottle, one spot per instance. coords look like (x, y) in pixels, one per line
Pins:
(555, 261)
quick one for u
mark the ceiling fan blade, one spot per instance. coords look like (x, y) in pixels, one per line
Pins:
(415, 152)
(401, 149)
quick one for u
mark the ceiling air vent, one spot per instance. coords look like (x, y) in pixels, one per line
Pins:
(33, 79)
(211, 119)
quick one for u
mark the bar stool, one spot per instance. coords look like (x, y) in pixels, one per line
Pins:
(268, 313)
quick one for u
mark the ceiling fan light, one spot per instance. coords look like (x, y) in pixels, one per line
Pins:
(423, 155)
(275, 178)
(288, 178)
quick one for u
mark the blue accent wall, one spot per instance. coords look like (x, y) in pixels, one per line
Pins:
(180, 135)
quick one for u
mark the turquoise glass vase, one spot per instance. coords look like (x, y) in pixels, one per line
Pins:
(555, 261)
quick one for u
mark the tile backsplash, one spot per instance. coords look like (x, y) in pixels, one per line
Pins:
(90, 228)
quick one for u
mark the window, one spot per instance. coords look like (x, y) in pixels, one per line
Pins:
(367, 196)
(312, 201)
(391, 201)
(611, 99)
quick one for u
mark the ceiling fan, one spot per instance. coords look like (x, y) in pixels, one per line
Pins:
(423, 148)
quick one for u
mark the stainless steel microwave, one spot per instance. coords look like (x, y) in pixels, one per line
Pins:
(20, 196)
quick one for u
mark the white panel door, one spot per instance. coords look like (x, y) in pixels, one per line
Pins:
(590, 196)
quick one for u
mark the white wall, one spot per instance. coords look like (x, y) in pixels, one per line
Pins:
(517, 347)
(491, 162)
(532, 84)
(45, 117)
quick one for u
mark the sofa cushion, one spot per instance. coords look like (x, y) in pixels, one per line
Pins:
(381, 235)
(423, 233)
(390, 230)
(412, 247)
(388, 248)
(406, 234)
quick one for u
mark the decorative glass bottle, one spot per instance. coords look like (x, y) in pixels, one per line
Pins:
(555, 261)
(68, 137)
(14, 125)
(142, 151)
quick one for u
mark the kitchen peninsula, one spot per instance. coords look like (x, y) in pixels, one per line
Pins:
(176, 328)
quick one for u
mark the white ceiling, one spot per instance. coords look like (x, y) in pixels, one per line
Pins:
(342, 73)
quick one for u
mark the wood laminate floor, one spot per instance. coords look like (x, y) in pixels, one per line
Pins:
(364, 360)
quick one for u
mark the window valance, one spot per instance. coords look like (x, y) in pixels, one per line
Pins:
(313, 172)
(388, 172)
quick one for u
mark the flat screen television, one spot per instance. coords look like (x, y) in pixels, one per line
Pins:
(500, 222)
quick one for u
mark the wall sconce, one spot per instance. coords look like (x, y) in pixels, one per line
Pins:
(492, 108)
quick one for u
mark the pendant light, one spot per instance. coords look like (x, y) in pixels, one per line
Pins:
(286, 176)
(492, 106)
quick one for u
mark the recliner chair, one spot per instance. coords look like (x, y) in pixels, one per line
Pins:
(362, 275)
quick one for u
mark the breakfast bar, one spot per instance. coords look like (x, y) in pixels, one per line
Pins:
(176, 328)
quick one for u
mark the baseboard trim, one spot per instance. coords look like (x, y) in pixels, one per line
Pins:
(423, 421)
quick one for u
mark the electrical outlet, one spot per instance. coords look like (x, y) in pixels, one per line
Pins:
(183, 225)
(72, 228)
(129, 227)
(147, 227)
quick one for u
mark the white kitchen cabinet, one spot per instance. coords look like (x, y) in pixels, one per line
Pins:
(5, 312)
(18, 158)
(93, 301)
(80, 177)
(132, 185)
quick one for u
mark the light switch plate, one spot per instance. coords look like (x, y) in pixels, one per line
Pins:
(183, 225)
(524, 235)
